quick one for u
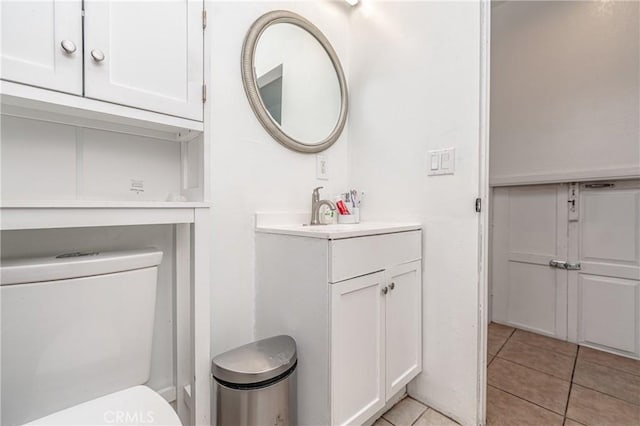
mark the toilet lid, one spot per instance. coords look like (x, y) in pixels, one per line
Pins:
(138, 405)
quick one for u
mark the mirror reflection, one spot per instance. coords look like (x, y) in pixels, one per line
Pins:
(297, 83)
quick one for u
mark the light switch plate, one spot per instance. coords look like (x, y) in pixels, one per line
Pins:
(322, 168)
(441, 162)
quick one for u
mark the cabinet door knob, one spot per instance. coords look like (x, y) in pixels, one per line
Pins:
(68, 46)
(392, 286)
(97, 55)
(385, 290)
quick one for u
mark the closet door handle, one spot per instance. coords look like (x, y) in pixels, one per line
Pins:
(68, 46)
(97, 55)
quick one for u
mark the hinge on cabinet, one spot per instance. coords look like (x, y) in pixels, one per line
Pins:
(204, 19)
(478, 205)
(204, 93)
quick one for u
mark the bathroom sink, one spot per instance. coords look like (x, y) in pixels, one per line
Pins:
(338, 231)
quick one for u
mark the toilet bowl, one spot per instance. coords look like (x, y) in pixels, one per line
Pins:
(77, 338)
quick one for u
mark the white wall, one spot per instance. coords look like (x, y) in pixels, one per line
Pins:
(415, 81)
(565, 85)
(51, 161)
(250, 170)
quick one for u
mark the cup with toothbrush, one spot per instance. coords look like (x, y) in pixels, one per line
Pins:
(348, 204)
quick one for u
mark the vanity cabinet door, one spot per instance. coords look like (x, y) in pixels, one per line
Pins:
(357, 349)
(42, 43)
(147, 55)
(403, 325)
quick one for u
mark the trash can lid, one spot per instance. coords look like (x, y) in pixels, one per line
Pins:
(256, 362)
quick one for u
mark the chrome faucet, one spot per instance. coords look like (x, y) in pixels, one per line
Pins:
(316, 203)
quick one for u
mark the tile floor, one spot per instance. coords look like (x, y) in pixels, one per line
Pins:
(409, 412)
(537, 380)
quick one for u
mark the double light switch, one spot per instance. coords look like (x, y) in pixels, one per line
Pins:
(441, 162)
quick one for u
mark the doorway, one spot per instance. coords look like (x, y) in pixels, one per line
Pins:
(564, 223)
(564, 336)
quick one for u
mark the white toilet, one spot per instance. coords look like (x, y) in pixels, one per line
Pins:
(76, 340)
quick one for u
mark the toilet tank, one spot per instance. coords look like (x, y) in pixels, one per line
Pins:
(74, 327)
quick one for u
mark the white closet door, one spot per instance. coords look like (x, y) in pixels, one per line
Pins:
(530, 230)
(606, 291)
(145, 54)
(357, 349)
(404, 325)
(32, 51)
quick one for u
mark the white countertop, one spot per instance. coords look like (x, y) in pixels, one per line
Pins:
(339, 231)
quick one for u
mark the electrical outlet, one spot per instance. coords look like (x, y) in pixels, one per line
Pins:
(322, 168)
(137, 186)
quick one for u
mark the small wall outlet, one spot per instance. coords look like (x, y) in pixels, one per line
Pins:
(322, 168)
(441, 162)
(137, 186)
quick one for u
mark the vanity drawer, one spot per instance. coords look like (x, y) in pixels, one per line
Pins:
(352, 257)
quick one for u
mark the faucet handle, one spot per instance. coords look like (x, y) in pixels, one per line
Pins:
(316, 194)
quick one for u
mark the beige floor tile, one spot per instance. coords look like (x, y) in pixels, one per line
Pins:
(405, 412)
(507, 410)
(594, 408)
(540, 359)
(534, 386)
(432, 418)
(381, 422)
(500, 330)
(569, 422)
(607, 380)
(545, 342)
(627, 365)
(495, 343)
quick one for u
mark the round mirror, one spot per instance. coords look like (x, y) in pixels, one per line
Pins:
(294, 82)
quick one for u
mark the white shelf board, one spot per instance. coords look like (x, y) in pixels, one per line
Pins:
(19, 100)
(82, 214)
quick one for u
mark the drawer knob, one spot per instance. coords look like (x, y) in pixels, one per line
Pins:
(392, 286)
(385, 290)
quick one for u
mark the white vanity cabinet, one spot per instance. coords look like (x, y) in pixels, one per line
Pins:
(352, 300)
(34, 37)
(144, 55)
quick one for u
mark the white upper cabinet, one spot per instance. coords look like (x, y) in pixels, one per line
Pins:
(147, 55)
(42, 43)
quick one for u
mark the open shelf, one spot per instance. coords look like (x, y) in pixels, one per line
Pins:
(19, 100)
(80, 214)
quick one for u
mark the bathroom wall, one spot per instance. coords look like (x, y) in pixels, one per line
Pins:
(414, 81)
(250, 170)
(565, 79)
(50, 161)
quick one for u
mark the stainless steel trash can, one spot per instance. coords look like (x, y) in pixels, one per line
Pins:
(256, 384)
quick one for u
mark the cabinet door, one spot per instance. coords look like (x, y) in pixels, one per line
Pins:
(529, 230)
(605, 294)
(403, 325)
(357, 349)
(147, 55)
(32, 51)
